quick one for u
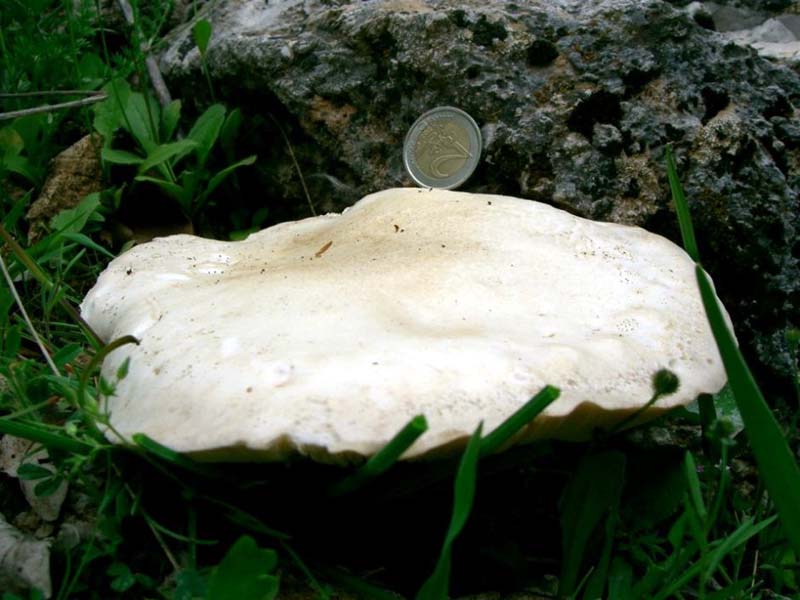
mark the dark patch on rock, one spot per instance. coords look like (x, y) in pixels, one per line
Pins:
(623, 78)
(600, 107)
(787, 131)
(705, 20)
(485, 32)
(637, 78)
(459, 17)
(541, 53)
(714, 100)
(777, 106)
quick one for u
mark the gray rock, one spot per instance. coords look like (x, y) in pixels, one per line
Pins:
(111, 17)
(730, 18)
(785, 52)
(773, 34)
(792, 23)
(772, 39)
(751, 5)
(771, 31)
(577, 102)
(24, 562)
(15, 452)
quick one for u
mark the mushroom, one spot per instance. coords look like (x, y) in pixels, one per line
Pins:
(325, 336)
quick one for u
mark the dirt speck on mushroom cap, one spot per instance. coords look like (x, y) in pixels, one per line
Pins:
(453, 305)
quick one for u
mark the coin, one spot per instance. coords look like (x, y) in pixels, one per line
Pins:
(442, 148)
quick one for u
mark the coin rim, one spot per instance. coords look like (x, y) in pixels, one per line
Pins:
(468, 173)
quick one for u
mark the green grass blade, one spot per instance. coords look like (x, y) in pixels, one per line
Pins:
(527, 413)
(45, 438)
(735, 590)
(708, 412)
(675, 585)
(120, 157)
(217, 179)
(206, 130)
(173, 189)
(241, 518)
(682, 207)
(743, 533)
(594, 491)
(85, 240)
(176, 458)
(620, 580)
(776, 464)
(596, 582)
(385, 457)
(169, 119)
(26, 260)
(38, 274)
(775, 461)
(693, 481)
(166, 152)
(438, 584)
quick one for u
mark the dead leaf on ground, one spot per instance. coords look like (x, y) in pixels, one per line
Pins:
(74, 173)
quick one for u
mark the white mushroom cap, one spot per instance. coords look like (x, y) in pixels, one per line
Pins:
(325, 336)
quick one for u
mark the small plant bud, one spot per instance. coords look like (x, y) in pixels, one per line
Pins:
(665, 382)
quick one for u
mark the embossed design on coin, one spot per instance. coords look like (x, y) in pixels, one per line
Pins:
(442, 148)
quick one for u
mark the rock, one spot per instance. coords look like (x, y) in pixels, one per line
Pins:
(24, 562)
(730, 18)
(763, 27)
(15, 452)
(771, 31)
(576, 100)
(111, 17)
(792, 23)
(787, 52)
(75, 173)
(773, 38)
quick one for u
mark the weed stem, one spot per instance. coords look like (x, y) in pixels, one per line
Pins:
(27, 319)
(156, 78)
(296, 165)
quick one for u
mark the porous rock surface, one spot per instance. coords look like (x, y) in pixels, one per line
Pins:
(577, 101)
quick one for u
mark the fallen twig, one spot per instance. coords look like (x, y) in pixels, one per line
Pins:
(50, 93)
(51, 107)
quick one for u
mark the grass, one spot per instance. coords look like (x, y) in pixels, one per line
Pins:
(716, 516)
